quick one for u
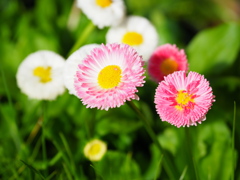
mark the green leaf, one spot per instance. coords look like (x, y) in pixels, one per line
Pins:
(117, 126)
(231, 83)
(213, 151)
(116, 165)
(213, 50)
(169, 139)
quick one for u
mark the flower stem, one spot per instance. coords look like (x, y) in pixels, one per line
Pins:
(34, 131)
(90, 123)
(44, 152)
(233, 141)
(167, 165)
(85, 34)
(191, 161)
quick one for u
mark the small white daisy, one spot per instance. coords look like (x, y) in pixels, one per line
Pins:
(137, 32)
(103, 12)
(39, 75)
(72, 63)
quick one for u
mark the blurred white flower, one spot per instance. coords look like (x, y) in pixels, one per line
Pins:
(72, 63)
(39, 75)
(95, 150)
(137, 32)
(103, 12)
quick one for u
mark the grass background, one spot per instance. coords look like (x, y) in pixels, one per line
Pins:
(44, 140)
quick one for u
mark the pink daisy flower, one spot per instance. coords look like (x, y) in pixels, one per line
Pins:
(183, 100)
(165, 60)
(109, 76)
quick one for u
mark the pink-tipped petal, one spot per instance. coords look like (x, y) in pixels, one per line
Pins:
(183, 100)
(89, 89)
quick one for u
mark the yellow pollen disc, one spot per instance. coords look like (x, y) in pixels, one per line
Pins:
(103, 3)
(182, 99)
(95, 149)
(168, 66)
(132, 38)
(43, 73)
(109, 77)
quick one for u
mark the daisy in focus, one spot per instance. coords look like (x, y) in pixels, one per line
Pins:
(72, 63)
(109, 76)
(137, 32)
(183, 100)
(39, 75)
(95, 150)
(165, 60)
(103, 13)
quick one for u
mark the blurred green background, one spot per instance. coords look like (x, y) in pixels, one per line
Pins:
(208, 30)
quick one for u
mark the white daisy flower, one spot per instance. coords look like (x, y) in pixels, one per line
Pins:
(103, 12)
(137, 32)
(39, 76)
(72, 63)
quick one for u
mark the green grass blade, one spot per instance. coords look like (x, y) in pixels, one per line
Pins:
(158, 168)
(68, 173)
(51, 175)
(66, 146)
(69, 153)
(183, 173)
(33, 170)
(55, 159)
(6, 89)
(65, 158)
(10, 115)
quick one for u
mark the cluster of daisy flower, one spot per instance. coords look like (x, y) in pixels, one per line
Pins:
(135, 31)
(106, 76)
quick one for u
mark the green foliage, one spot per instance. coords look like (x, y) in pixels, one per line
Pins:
(34, 170)
(116, 165)
(214, 50)
(211, 148)
(213, 137)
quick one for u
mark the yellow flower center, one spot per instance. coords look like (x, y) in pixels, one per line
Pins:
(132, 38)
(184, 100)
(95, 149)
(168, 66)
(109, 76)
(43, 73)
(103, 3)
